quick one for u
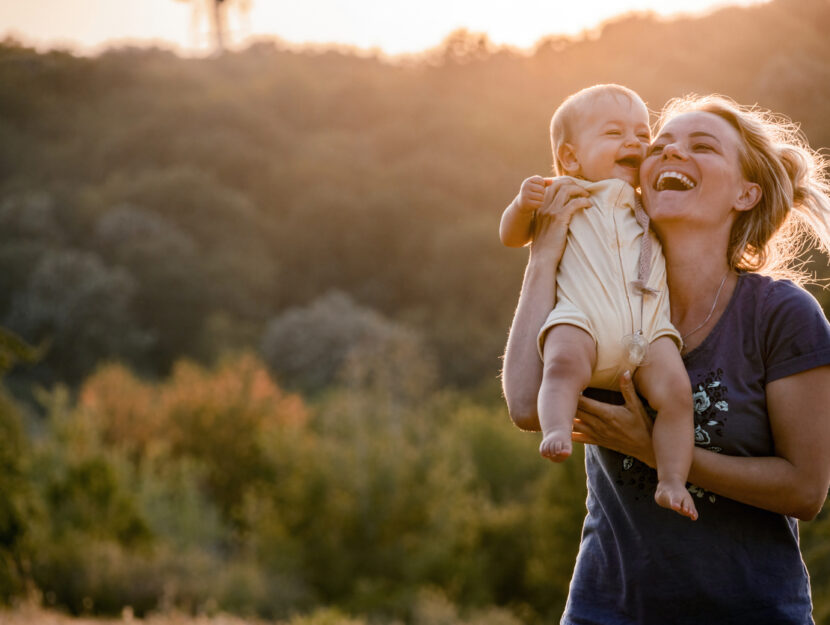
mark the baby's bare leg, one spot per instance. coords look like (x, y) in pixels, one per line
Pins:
(569, 355)
(663, 381)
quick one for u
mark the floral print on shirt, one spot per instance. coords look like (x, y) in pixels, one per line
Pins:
(711, 406)
(710, 398)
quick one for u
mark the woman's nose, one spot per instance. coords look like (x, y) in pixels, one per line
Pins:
(671, 150)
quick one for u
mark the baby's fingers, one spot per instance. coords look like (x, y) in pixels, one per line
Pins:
(532, 192)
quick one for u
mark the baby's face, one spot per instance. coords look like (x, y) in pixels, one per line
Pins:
(611, 138)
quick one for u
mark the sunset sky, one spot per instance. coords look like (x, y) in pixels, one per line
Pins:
(393, 26)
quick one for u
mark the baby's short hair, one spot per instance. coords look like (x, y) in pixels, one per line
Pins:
(563, 121)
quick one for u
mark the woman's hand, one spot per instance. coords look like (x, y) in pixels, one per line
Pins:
(562, 199)
(626, 428)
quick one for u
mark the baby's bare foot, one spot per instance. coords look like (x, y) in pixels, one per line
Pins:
(556, 445)
(674, 496)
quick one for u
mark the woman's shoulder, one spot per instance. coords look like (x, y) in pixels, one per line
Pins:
(791, 326)
(777, 296)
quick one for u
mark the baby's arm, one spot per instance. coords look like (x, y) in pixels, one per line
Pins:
(516, 227)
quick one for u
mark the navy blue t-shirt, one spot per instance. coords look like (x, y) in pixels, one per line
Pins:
(641, 564)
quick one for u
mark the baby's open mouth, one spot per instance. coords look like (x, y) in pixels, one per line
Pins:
(630, 161)
(674, 181)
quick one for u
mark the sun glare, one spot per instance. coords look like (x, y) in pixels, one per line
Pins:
(392, 27)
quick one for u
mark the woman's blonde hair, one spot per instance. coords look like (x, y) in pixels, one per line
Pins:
(794, 209)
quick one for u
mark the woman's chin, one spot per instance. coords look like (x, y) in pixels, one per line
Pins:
(667, 202)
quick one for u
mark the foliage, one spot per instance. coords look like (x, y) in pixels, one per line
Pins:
(82, 308)
(214, 489)
(15, 500)
(144, 490)
(164, 261)
(815, 545)
(337, 213)
(334, 339)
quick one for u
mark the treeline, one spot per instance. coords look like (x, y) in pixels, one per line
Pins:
(266, 301)
(154, 207)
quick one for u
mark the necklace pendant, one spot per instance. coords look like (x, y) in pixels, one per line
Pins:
(635, 348)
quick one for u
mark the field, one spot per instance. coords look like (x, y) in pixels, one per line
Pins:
(37, 616)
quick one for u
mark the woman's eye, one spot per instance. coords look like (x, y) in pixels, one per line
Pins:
(612, 132)
(702, 147)
(655, 149)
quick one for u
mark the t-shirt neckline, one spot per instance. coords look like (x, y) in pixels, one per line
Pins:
(716, 330)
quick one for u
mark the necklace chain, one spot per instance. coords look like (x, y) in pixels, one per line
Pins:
(711, 310)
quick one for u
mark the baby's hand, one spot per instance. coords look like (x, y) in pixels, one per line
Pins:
(532, 193)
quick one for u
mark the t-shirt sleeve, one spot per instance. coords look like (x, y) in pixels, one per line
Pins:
(795, 333)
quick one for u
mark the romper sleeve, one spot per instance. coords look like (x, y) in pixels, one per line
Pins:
(795, 334)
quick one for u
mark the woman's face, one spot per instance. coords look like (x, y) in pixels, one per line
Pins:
(692, 172)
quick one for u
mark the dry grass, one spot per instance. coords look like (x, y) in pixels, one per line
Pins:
(31, 615)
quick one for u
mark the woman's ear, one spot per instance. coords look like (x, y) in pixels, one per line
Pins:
(568, 158)
(750, 196)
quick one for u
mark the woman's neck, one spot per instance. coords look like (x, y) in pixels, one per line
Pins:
(700, 283)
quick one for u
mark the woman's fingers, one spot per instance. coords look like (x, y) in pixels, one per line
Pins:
(582, 432)
(626, 428)
(591, 424)
(565, 198)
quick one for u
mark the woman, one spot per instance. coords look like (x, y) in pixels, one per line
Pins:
(725, 188)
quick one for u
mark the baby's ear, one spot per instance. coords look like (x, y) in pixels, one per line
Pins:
(568, 159)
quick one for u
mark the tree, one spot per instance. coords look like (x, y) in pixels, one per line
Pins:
(334, 339)
(170, 298)
(218, 17)
(81, 307)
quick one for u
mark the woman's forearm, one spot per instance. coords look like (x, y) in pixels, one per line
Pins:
(522, 373)
(796, 479)
(769, 482)
(794, 482)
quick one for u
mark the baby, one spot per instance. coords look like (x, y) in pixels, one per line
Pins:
(612, 311)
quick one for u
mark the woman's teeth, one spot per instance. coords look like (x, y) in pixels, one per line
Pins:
(674, 181)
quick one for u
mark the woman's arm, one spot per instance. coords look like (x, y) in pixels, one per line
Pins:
(522, 372)
(796, 479)
(794, 482)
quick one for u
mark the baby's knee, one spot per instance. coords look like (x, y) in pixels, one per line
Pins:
(664, 381)
(567, 363)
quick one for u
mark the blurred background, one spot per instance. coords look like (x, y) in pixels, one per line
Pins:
(253, 299)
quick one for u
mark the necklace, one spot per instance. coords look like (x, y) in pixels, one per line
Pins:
(711, 310)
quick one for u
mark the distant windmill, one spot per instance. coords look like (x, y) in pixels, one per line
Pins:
(217, 15)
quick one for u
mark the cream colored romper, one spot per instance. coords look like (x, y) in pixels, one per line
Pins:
(594, 289)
